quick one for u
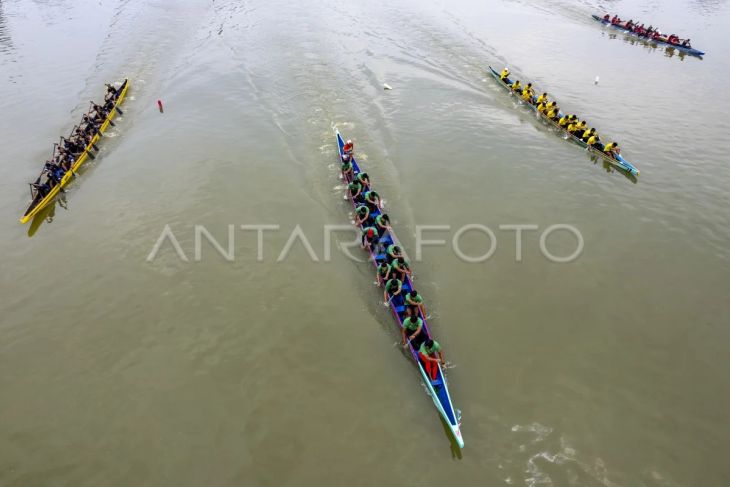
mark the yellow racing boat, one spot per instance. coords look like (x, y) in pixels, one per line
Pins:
(40, 201)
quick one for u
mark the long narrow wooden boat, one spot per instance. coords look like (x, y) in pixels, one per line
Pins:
(39, 202)
(618, 162)
(438, 389)
(689, 50)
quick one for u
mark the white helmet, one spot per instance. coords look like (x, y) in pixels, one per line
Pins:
(348, 141)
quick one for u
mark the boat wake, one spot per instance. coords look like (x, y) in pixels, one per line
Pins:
(550, 459)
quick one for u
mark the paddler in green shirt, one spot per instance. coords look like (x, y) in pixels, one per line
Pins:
(430, 353)
(412, 328)
(415, 303)
(347, 169)
(400, 268)
(355, 189)
(382, 221)
(362, 214)
(372, 198)
(364, 179)
(393, 252)
(392, 288)
(383, 273)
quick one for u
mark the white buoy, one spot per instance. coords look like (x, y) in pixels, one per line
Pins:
(596, 81)
(386, 86)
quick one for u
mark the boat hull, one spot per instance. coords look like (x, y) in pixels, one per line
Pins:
(439, 392)
(618, 162)
(39, 203)
(689, 50)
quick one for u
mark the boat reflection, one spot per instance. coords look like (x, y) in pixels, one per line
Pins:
(651, 46)
(456, 452)
(610, 168)
(47, 214)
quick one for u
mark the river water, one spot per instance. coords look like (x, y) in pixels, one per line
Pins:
(124, 366)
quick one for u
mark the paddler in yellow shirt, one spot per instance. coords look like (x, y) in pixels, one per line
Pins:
(528, 93)
(504, 75)
(611, 149)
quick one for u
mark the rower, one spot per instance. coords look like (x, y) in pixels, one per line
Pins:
(83, 136)
(516, 86)
(70, 146)
(372, 199)
(347, 169)
(369, 237)
(400, 268)
(587, 134)
(109, 105)
(504, 75)
(65, 155)
(542, 107)
(607, 18)
(89, 126)
(564, 121)
(611, 149)
(98, 119)
(686, 43)
(347, 150)
(595, 142)
(362, 215)
(111, 92)
(528, 93)
(413, 328)
(99, 110)
(393, 252)
(580, 127)
(42, 189)
(79, 141)
(364, 179)
(60, 155)
(64, 161)
(553, 113)
(355, 189)
(431, 356)
(382, 223)
(415, 304)
(55, 173)
(542, 99)
(383, 273)
(393, 288)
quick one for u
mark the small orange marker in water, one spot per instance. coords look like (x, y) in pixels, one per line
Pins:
(159, 105)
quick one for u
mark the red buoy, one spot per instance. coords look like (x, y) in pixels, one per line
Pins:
(159, 104)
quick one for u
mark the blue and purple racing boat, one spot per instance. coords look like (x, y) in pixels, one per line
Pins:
(437, 386)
